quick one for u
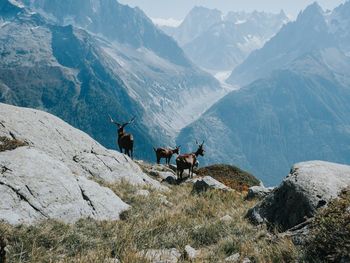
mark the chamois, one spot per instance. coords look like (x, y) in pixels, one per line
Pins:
(188, 161)
(125, 140)
(166, 153)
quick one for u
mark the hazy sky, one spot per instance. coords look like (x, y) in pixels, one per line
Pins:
(179, 8)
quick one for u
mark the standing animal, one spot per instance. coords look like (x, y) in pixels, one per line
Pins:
(188, 161)
(166, 153)
(125, 140)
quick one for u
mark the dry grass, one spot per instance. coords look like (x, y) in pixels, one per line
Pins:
(329, 239)
(150, 224)
(229, 175)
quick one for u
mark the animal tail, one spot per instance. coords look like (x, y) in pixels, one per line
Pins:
(154, 149)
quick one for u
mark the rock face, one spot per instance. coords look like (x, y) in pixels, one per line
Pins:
(207, 183)
(51, 177)
(258, 192)
(309, 186)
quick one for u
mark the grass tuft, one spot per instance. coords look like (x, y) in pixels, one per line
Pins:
(191, 220)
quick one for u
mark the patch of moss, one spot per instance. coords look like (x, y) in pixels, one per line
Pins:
(230, 175)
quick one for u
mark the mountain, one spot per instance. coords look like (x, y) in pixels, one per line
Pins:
(216, 41)
(198, 20)
(82, 70)
(314, 29)
(298, 112)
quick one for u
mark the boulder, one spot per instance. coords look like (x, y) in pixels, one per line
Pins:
(233, 258)
(309, 186)
(207, 183)
(258, 192)
(36, 186)
(83, 155)
(190, 253)
(161, 255)
(48, 170)
(226, 218)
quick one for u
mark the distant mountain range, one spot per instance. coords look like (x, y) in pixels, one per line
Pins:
(220, 42)
(295, 106)
(313, 30)
(82, 60)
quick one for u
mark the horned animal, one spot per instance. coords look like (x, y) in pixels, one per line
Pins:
(188, 161)
(125, 140)
(166, 153)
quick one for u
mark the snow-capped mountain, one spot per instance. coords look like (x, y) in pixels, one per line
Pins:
(220, 42)
(314, 29)
(83, 60)
(297, 110)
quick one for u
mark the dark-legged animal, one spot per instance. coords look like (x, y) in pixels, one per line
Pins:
(125, 140)
(188, 161)
(166, 153)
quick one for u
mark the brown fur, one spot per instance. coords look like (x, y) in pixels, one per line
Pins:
(188, 161)
(125, 140)
(165, 153)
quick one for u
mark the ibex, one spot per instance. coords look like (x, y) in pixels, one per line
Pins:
(125, 140)
(188, 161)
(166, 153)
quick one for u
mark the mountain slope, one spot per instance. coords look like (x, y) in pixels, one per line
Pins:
(289, 117)
(155, 70)
(62, 70)
(220, 42)
(82, 75)
(298, 110)
(114, 21)
(313, 30)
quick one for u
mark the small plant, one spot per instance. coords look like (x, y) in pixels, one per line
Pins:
(329, 239)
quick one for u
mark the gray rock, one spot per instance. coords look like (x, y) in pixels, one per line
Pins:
(246, 260)
(226, 218)
(37, 186)
(52, 177)
(163, 199)
(207, 183)
(171, 180)
(191, 253)
(233, 258)
(258, 192)
(83, 155)
(161, 255)
(309, 186)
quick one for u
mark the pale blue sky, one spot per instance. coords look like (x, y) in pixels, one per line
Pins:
(179, 8)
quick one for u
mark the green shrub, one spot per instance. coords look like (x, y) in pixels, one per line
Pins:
(329, 239)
